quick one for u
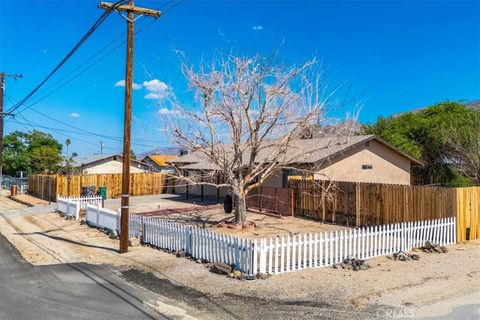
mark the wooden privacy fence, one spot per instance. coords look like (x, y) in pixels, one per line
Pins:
(48, 186)
(468, 213)
(368, 204)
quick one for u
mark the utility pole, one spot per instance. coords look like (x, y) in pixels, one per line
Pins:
(101, 147)
(131, 10)
(2, 115)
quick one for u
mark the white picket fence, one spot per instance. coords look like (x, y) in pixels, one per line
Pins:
(199, 243)
(68, 207)
(101, 217)
(85, 200)
(109, 219)
(288, 254)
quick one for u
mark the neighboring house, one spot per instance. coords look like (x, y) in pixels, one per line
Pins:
(359, 158)
(159, 162)
(105, 164)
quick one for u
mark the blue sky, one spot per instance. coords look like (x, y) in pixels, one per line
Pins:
(392, 56)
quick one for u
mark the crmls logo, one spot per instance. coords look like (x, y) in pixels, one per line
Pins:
(395, 313)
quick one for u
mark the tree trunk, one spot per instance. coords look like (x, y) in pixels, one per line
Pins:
(240, 209)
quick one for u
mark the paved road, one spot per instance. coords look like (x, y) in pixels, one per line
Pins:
(65, 291)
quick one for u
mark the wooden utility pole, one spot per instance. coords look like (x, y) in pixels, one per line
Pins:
(131, 11)
(2, 115)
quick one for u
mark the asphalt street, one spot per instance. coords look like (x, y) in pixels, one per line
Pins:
(66, 291)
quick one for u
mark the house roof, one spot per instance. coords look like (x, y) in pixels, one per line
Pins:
(79, 161)
(301, 151)
(161, 159)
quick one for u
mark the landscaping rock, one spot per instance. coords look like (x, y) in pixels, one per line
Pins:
(262, 276)
(237, 274)
(113, 234)
(402, 256)
(433, 248)
(134, 242)
(181, 254)
(82, 222)
(249, 277)
(351, 263)
(221, 268)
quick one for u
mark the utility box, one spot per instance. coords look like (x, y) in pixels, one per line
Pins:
(103, 192)
(88, 191)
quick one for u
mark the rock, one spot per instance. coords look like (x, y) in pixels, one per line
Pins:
(262, 276)
(134, 242)
(248, 277)
(231, 275)
(113, 234)
(221, 268)
(198, 261)
(237, 274)
(415, 257)
(82, 222)
(364, 266)
(181, 254)
(444, 249)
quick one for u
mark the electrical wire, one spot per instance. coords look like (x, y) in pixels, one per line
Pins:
(87, 35)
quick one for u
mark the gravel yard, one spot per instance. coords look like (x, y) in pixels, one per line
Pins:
(329, 293)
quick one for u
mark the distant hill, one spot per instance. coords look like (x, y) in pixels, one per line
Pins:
(162, 150)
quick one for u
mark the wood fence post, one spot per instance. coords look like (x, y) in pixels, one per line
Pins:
(276, 201)
(357, 204)
(292, 202)
(260, 198)
(324, 202)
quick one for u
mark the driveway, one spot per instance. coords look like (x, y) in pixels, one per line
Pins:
(66, 291)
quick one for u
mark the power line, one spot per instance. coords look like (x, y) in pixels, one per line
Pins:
(87, 35)
(84, 131)
(90, 58)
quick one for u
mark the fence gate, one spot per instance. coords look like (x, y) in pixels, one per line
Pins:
(277, 201)
(468, 213)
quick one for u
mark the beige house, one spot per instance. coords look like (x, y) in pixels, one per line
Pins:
(106, 164)
(359, 158)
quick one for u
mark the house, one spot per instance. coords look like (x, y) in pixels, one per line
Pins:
(357, 158)
(106, 163)
(159, 162)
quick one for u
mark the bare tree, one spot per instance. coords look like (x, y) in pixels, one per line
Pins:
(249, 113)
(464, 147)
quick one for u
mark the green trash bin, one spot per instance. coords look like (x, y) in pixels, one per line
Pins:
(103, 192)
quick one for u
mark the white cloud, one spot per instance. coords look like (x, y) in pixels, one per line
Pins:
(165, 111)
(75, 115)
(257, 28)
(135, 86)
(156, 89)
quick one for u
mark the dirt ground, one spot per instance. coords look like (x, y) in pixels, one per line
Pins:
(425, 287)
(209, 216)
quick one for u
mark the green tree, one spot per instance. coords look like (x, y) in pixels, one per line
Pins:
(33, 152)
(426, 134)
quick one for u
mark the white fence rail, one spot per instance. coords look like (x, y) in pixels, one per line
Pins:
(68, 207)
(101, 217)
(85, 200)
(110, 220)
(199, 243)
(287, 254)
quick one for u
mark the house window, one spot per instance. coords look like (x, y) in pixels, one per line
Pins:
(367, 167)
